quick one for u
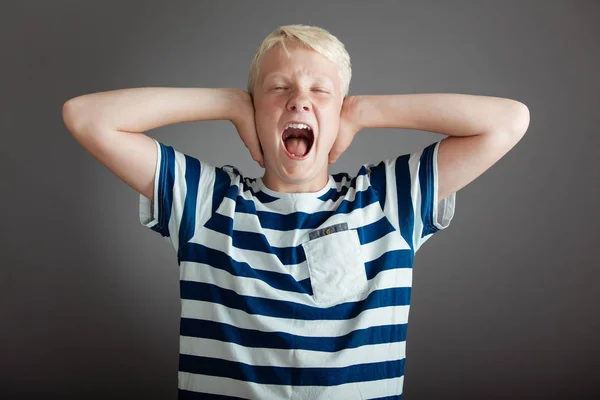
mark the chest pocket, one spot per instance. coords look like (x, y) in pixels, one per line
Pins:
(335, 264)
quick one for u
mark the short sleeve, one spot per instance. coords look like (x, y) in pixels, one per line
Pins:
(182, 196)
(407, 187)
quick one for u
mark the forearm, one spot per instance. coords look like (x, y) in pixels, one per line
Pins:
(143, 109)
(445, 113)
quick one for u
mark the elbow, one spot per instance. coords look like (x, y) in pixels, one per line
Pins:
(74, 116)
(520, 120)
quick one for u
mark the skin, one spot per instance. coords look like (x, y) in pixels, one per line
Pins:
(482, 129)
(302, 87)
(305, 87)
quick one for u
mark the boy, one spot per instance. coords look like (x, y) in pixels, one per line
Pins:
(297, 284)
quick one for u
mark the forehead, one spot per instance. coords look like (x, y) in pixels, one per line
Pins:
(302, 62)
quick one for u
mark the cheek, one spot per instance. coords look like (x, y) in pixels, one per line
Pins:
(265, 113)
(262, 121)
(330, 126)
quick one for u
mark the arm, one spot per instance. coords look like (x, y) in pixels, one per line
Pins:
(482, 129)
(110, 125)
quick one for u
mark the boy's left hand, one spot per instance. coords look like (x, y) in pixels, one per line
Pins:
(349, 127)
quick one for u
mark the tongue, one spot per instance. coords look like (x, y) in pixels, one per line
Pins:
(297, 146)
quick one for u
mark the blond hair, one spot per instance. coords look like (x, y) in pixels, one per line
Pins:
(314, 37)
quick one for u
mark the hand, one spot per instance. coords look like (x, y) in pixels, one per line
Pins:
(245, 124)
(349, 127)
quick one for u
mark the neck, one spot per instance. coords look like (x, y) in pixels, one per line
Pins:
(277, 184)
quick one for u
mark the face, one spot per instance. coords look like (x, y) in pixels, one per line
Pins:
(302, 88)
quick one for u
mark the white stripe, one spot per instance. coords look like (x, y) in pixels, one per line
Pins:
(391, 194)
(294, 357)
(444, 211)
(391, 241)
(203, 205)
(355, 219)
(345, 182)
(270, 262)
(245, 286)
(256, 259)
(148, 210)
(308, 204)
(195, 309)
(251, 390)
(179, 192)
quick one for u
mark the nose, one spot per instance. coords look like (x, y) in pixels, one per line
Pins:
(298, 102)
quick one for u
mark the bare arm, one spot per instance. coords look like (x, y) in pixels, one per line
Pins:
(139, 110)
(110, 125)
(482, 128)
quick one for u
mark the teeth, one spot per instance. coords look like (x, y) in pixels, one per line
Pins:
(297, 126)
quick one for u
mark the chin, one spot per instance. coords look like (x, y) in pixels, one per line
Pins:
(304, 172)
(296, 175)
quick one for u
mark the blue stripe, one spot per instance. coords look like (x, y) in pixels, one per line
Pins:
(341, 176)
(189, 395)
(315, 376)
(406, 218)
(333, 194)
(260, 195)
(220, 223)
(258, 242)
(291, 255)
(374, 231)
(287, 309)
(252, 338)
(264, 198)
(390, 260)
(250, 241)
(361, 200)
(221, 188)
(188, 219)
(219, 260)
(280, 222)
(300, 220)
(378, 182)
(166, 181)
(427, 190)
(397, 397)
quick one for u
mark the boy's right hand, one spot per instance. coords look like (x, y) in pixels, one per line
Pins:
(246, 126)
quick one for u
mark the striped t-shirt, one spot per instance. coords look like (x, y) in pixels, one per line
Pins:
(295, 295)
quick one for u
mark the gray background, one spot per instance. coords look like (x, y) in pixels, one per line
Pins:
(505, 301)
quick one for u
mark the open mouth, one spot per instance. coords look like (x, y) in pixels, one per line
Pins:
(298, 140)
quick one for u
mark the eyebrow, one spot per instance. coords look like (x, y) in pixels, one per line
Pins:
(321, 79)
